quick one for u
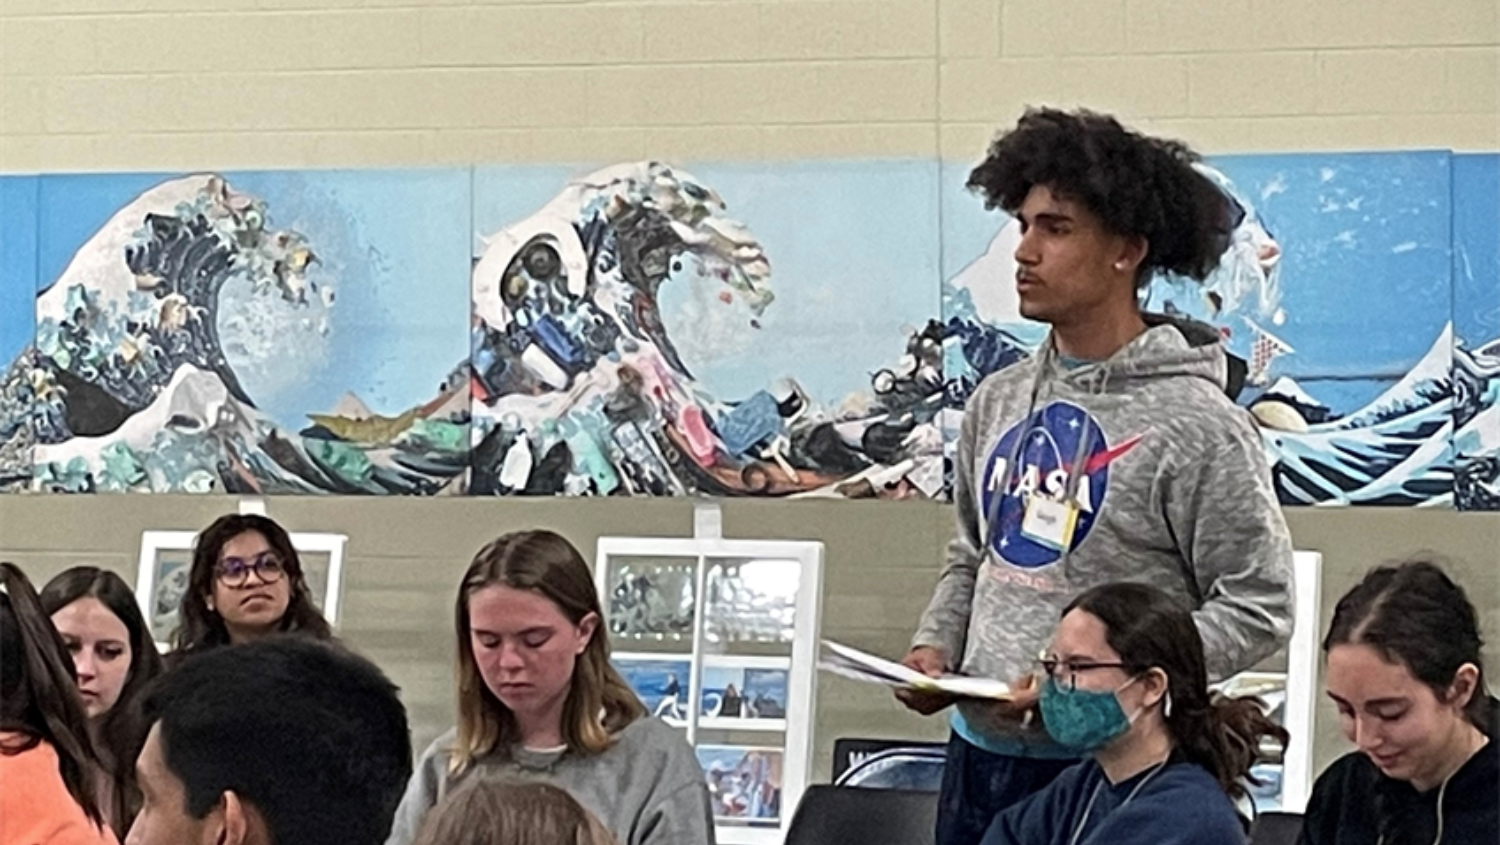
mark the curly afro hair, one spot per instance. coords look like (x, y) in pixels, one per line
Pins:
(1135, 184)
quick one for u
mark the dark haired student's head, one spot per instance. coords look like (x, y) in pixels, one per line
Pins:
(115, 659)
(96, 613)
(1404, 670)
(284, 741)
(1141, 645)
(1102, 208)
(1125, 683)
(246, 582)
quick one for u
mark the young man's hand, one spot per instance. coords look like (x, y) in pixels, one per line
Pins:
(1004, 717)
(929, 661)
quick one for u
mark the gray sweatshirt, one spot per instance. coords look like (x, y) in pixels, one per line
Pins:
(647, 789)
(1172, 489)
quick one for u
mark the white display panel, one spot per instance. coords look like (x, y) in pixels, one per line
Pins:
(719, 638)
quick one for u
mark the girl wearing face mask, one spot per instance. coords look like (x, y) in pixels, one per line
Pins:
(49, 774)
(1404, 669)
(538, 700)
(246, 582)
(114, 658)
(1126, 684)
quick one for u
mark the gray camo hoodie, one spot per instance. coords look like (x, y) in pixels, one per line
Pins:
(1172, 487)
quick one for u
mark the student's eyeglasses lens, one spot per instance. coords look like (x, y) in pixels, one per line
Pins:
(234, 571)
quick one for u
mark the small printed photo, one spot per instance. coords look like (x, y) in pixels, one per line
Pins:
(650, 600)
(662, 685)
(315, 568)
(735, 692)
(744, 784)
(170, 582)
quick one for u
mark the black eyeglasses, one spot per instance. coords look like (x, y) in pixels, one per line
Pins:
(234, 571)
(1055, 669)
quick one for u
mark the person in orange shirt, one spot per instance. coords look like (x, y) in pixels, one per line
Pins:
(48, 767)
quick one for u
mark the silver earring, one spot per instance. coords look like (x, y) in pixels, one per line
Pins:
(1167, 710)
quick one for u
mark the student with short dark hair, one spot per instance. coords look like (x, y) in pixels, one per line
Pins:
(1403, 666)
(246, 582)
(50, 777)
(284, 741)
(1112, 453)
(539, 700)
(114, 659)
(1127, 685)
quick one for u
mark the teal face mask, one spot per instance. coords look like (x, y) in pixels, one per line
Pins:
(1083, 720)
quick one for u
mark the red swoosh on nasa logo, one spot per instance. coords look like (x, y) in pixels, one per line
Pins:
(1103, 459)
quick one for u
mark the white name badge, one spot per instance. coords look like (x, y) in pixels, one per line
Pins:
(1050, 523)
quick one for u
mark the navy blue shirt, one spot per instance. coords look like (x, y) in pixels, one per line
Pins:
(1181, 804)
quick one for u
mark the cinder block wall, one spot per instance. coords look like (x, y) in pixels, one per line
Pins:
(174, 84)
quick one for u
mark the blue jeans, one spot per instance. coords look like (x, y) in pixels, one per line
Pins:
(977, 785)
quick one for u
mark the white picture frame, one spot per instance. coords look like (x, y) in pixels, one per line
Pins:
(166, 557)
(1296, 689)
(693, 647)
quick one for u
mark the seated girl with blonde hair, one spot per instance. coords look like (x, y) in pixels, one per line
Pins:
(539, 700)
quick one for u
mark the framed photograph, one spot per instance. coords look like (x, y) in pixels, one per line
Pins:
(660, 681)
(166, 558)
(651, 598)
(744, 689)
(744, 783)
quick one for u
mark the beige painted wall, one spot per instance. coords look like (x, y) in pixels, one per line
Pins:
(405, 558)
(187, 84)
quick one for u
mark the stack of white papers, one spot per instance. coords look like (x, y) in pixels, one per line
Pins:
(856, 664)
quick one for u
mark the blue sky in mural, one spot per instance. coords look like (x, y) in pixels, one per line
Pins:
(506, 194)
(74, 208)
(853, 250)
(18, 206)
(1476, 247)
(1365, 265)
(392, 245)
(967, 226)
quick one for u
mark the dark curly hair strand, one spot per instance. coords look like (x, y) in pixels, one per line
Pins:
(1138, 186)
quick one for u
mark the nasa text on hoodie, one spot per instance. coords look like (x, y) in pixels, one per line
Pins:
(1172, 489)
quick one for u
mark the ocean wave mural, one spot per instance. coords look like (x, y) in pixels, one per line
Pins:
(649, 328)
(244, 333)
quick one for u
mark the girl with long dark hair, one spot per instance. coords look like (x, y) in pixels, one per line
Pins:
(1126, 684)
(1405, 671)
(114, 660)
(246, 582)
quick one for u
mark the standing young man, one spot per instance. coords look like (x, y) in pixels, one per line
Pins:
(1112, 454)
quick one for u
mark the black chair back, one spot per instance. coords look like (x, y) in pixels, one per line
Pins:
(839, 815)
(1276, 829)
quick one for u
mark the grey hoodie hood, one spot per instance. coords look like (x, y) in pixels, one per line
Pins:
(1171, 347)
(1170, 484)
